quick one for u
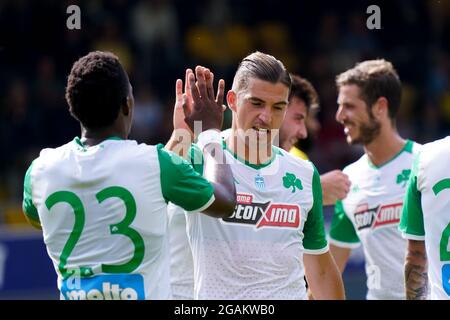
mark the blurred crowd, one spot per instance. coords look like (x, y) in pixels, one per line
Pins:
(157, 40)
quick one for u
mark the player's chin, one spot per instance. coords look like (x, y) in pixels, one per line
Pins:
(353, 140)
(349, 139)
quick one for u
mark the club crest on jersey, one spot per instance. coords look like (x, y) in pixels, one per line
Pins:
(380, 216)
(291, 181)
(403, 177)
(266, 214)
(259, 182)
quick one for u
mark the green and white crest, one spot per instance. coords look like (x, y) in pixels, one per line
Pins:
(290, 180)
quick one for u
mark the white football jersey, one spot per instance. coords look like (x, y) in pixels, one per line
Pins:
(370, 214)
(426, 213)
(257, 253)
(181, 264)
(103, 212)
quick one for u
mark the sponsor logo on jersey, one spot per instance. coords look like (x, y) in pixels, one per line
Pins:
(104, 287)
(446, 278)
(383, 215)
(266, 214)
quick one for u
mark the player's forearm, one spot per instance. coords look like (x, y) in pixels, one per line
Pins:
(179, 143)
(416, 271)
(221, 177)
(328, 286)
(324, 278)
(328, 198)
(340, 256)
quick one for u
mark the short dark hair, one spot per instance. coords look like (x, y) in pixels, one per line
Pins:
(263, 67)
(97, 87)
(304, 90)
(375, 78)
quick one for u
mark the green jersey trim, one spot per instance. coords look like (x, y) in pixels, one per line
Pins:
(275, 152)
(411, 222)
(408, 147)
(342, 231)
(342, 244)
(114, 138)
(205, 206)
(196, 158)
(27, 205)
(80, 143)
(315, 241)
(181, 184)
(318, 251)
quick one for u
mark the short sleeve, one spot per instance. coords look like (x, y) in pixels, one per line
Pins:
(196, 158)
(411, 222)
(342, 231)
(27, 204)
(315, 241)
(181, 184)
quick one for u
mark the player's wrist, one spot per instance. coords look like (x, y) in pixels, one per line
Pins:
(208, 137)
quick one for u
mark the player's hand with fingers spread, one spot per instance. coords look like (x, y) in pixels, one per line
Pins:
(182, 98)
(206, 107)
(335, 186)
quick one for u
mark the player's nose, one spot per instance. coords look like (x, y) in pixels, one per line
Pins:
(340, 116)
(265, 116)
(302, 132)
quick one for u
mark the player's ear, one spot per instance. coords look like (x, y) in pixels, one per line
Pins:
(126, 106)
(128, 102)
(381, 106)
(231, 100)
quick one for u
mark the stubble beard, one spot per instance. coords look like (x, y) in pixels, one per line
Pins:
(367, 131)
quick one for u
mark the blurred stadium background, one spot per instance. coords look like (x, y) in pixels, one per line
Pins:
(156, 40)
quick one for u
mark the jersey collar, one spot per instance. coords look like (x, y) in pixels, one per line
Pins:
(407, 147)
(80, 143)
(275, 152)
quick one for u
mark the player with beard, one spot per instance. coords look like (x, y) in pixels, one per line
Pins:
(302, 109)
(369, 98)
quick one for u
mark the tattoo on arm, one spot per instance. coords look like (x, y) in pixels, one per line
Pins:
(416, 275)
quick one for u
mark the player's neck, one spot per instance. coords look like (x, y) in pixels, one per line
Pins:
(384, 147)
(94, 137)
(253, 154)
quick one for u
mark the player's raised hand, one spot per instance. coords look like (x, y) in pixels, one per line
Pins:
(183, 102)
(335, 186)
(206, 107)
